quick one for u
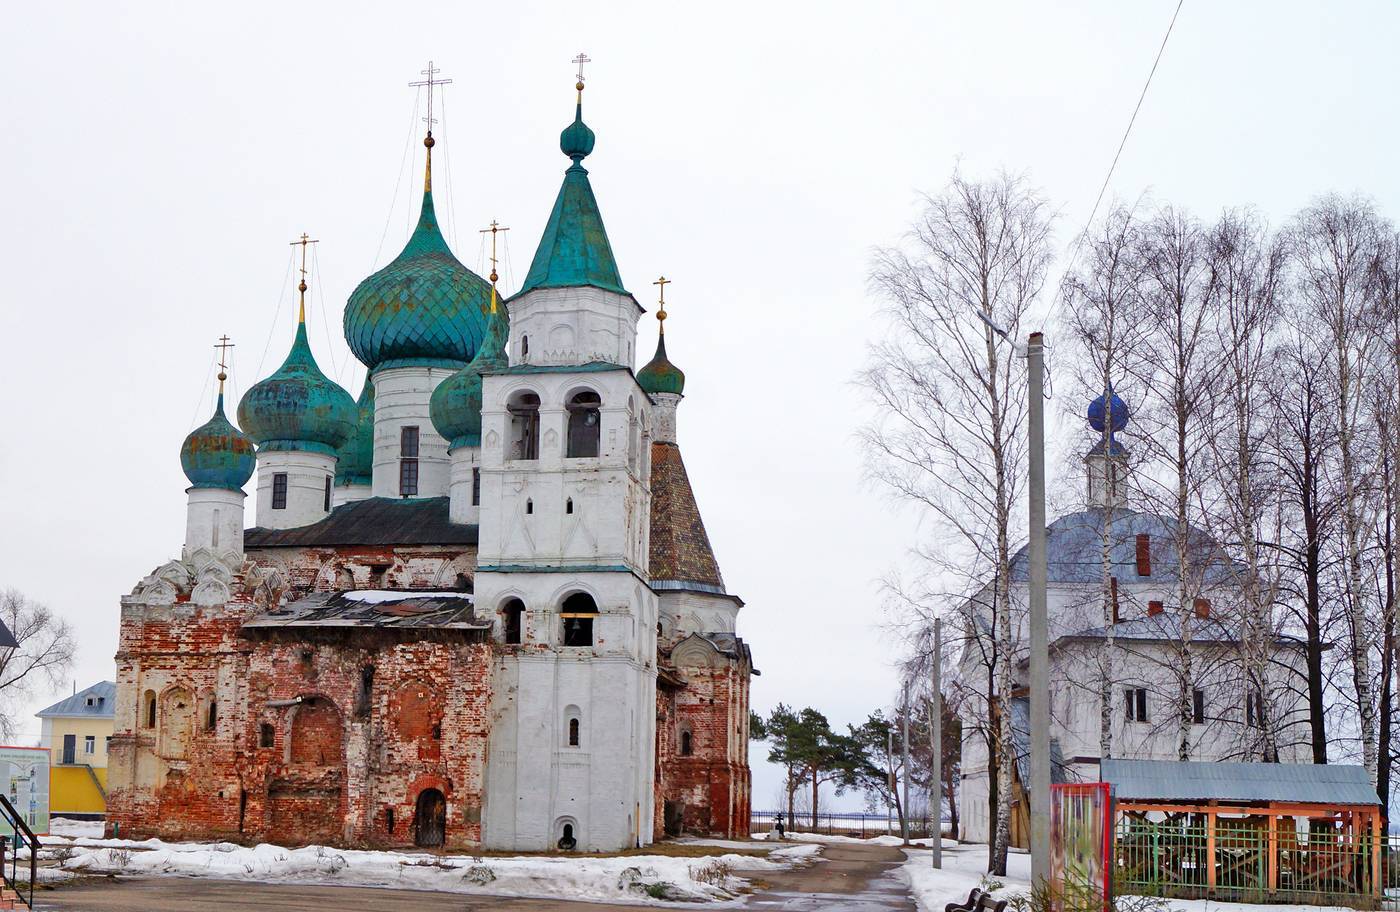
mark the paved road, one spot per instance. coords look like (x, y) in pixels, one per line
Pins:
(853, 878)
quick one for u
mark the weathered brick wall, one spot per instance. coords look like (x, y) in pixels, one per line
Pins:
(342, 764)
(709, 786)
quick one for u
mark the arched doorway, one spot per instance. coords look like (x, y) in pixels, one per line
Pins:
(430, 818)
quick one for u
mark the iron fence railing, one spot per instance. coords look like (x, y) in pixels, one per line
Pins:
(1243, 861)
(861, 826)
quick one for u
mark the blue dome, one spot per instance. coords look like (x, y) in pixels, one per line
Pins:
(218, 455)
(1117, 412)
(455, 407)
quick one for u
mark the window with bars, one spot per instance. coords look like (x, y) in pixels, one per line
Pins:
(1135, 704)
(408, 461)
(279, 491)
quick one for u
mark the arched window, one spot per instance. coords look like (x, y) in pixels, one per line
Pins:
(514, 617)
(585, 425)
(578, 613)
(524, 408)
(686, 746)
(150, 709)
(573, 732)
(211, 721)
(567, 840)
(524, 347)
(569, 505)
(529, 506)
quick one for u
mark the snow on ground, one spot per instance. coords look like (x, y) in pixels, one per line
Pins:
(881, 840)
(635, 878)
(75, 829)
(964, 867)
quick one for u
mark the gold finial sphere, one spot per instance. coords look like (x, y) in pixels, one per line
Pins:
(661, 314)
(429, 141)
(494, 277)
(222, 376)
(301, 286)
(579, 85)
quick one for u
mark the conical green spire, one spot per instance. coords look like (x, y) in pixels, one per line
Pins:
(574, 250)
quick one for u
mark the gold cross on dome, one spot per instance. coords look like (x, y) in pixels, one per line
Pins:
(494, 228)
(430, 72)
(661, 312)
(223, 346)
(581, 59)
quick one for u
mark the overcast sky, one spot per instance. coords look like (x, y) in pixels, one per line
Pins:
(158, 158)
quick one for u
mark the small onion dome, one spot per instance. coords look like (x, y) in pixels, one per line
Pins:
(424, 308)
(1117, 412)
(660, 375)
(355, 460)
(456, 403)
(298, 407)
(576, 141)
(218, 455)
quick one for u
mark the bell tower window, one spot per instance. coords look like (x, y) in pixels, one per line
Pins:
(579, 612)
(585, 425)
(408, 461)
(524, 411)
(514, 621)
(279, 491)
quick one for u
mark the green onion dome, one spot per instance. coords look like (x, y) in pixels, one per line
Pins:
(660, 375)
(456, 403)
(424, 308)
(218, 455)
(355, 460)
(577, 139)
(298, 407)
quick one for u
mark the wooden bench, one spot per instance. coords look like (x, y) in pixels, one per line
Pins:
(977, 901)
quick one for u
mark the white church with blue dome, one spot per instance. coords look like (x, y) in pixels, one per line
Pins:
(1126, 639)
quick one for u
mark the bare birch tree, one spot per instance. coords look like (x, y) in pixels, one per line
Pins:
(1335, 242)
(43, 656)
(1177, 306)
(1246, 264)
(952, 397)
(1104, 301)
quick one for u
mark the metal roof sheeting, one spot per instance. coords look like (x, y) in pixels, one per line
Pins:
(1293, 783)
(372, 521)
(104, 694)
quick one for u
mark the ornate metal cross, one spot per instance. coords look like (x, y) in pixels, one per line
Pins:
(430, 72)
(494, 229)
(581, 59)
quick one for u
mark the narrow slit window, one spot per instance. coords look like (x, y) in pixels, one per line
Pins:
(573, 732)
(279, 491)
(326, 502)
(212, 720)
(514, 621)
(476, 486)
(1198, 706)
(569, 505)
(529, 507)
(686, 746)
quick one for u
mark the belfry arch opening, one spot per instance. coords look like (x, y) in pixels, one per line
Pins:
(585, 425)
(513, 621)
(524, 409)
(578, 613)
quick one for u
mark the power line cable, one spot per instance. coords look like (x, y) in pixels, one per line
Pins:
(398, 182)
(291, 260)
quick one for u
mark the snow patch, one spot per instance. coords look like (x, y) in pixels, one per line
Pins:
(379, 596)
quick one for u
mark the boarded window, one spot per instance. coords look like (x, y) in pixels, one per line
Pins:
(585, 425)
(279, 491)
(1144, 554)
(316, 733)
(1202, 606)
(1154, 607)
(1198, 706)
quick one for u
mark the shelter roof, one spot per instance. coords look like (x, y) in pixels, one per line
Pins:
(1196, 781)
(102, 706)
(372, 521)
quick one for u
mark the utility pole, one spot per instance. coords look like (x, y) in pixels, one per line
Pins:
(904, 818)
(894, 783)
(935, 715)
(1040, 671)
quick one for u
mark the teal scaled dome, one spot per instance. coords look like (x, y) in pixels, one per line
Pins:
(298, 407)
(424, 308)
(217, 454)
(456, 403)
(660, 375)
(354, 463)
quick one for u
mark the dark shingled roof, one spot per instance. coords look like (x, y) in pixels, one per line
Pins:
(1195, 781)
(373, 608)
(372, 521)
(680, 549)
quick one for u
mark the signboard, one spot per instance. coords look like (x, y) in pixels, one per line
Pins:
(24, 778)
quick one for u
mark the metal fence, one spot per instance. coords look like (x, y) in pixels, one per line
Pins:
(1322, 865)
(860, 826)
